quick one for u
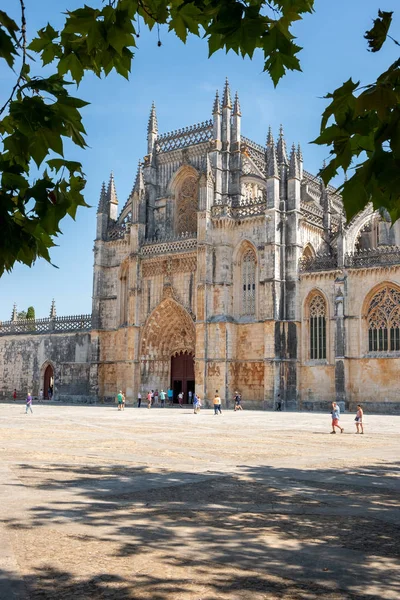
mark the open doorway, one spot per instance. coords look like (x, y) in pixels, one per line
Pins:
(48, 383)
(182, 376)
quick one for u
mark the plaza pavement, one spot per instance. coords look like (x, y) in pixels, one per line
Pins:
(163, 504)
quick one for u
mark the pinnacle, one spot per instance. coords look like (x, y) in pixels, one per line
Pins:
(236, 106)
(294, 170)
(111, 191)
(272, 166)
(217, 105)
(53, 312)
(103, 199)
(281, 148)
(226, 101)
(270, 137)
(152, 126)
(299, 153)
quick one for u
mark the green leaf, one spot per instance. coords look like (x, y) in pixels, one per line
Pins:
(377, 35)
(7, 48)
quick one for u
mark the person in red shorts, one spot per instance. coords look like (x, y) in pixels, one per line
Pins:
(335, 418)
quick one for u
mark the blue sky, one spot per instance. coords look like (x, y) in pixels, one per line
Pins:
(182, 82)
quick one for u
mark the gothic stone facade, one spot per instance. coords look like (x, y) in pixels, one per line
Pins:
(231, 267)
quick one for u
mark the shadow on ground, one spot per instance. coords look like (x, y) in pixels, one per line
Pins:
(261, 532)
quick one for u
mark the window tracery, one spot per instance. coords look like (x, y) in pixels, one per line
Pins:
(383, 319)
(317, 313)
(248, 284)
(186, 206)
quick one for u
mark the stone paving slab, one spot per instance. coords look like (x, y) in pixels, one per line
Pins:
(163, 504)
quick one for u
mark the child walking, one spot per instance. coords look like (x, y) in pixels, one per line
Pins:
(359, 419)
(29, 403)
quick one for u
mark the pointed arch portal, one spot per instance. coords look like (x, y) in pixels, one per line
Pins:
(167, 349)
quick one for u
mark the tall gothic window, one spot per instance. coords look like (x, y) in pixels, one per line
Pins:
(123, 298)
(248, 283)
(383, 319)
(186, 206)
(317, 311)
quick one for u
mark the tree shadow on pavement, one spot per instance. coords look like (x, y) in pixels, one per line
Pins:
(261, 532)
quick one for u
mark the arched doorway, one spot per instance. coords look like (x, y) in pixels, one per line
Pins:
(48, 382)
(167, 349)
(182, 376)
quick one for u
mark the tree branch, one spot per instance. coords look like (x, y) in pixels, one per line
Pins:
(23, 47)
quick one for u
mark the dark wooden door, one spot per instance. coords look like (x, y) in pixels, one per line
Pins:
(182, 375)
(48, 381)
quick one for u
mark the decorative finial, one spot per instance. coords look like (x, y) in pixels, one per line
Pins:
(53, 312)
(226, 101)
(14, 315)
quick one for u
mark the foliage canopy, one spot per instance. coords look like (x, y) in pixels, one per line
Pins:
(40, 113)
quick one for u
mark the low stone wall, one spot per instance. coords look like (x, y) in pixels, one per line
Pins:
(24, 357)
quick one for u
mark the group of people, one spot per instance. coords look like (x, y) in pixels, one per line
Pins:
(336, 417)
(121, 400)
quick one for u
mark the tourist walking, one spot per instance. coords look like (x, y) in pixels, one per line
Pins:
(120, 400)
(149, 399)
(196, 404)
(139, 399)
(278, 403)
(28, 403)
(190, 396)
(162, 398)
(238, 402)
(152, 397)
(49, 393)
(156, 397)
(217, 403)
(41, 395)
(170, 395)
(14, 395)
(180, 399)
(336, 417)
(359, 419)
(123, 401)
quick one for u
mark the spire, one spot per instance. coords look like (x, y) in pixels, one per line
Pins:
(236, 106)
(270, 138)
(102, 208)
(272, 167)
(294, 169)
(299, 153)
(217, 105)
(14, 315)
(152, 126)
(281, 148)
(111, 191)
(53, 312)
(226, 101)
(139, 181)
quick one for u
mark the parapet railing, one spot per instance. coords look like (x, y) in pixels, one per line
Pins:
(188, 136)
(169, 244)
(371, 257)
(48, 325)
(320, 262)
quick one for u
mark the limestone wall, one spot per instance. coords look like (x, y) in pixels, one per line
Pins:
(23, 359)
